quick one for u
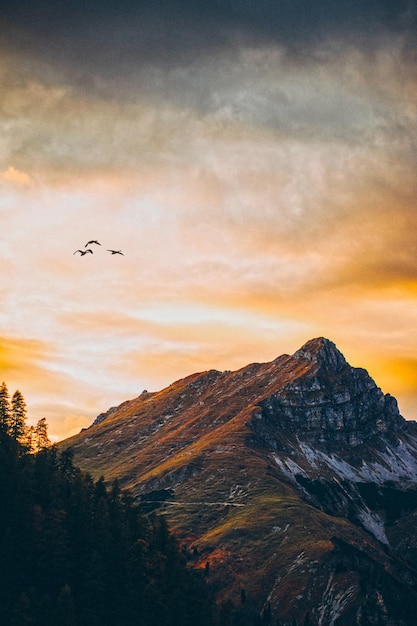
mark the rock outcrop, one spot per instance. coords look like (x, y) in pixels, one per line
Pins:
(331, 401)
(293, 481)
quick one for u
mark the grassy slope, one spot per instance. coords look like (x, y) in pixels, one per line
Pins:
(229, 502)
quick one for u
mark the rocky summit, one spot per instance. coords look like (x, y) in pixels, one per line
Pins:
(293, 484)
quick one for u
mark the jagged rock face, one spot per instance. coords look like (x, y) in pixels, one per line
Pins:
(283, 477)
(332, 402)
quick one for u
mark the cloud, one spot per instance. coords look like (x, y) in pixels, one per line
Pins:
(205, 344)
(226, 110)
(255, 161)
(121, 50)
(69, 423)
(172, 31)
(17, 354)
(16, 177)
(42, 372)
(29, 365)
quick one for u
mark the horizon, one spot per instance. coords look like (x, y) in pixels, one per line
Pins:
(256, 166)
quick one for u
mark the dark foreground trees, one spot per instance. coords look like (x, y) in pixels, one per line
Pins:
(75, 553)
(13, 417)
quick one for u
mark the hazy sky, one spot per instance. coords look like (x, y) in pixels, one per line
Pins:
(255, 161)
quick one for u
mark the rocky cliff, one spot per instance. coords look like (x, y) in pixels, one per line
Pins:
(331, 401)
(288, 482)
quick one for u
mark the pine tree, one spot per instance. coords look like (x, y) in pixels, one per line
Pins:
(17, 428)
(65, 607)
(28, 440)
(41, 435)
(266, 614)
(226, 613)
(22, 612)
(75, 553)
(4, 408)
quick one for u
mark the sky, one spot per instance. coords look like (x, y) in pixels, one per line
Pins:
(255, 162)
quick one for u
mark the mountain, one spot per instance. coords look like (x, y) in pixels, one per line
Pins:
(293, 483)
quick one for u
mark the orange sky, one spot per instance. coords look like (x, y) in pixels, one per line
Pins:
(262, 194)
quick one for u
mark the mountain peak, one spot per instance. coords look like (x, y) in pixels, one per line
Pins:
(274, 475)
(323, 352)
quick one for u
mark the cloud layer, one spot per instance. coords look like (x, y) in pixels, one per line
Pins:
(255, 161)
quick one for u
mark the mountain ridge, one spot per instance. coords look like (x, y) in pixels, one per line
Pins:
(276, 467)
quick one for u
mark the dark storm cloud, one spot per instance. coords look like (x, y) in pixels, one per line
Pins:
(110, 33)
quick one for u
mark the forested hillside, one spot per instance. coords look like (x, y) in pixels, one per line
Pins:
(75, 553)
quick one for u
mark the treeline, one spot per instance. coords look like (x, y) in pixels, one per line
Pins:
(75, 553)
(13, 416)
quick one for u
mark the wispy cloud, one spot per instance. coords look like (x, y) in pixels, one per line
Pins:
(16, 177)
(255, 162)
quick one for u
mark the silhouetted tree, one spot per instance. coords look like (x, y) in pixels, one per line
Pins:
(76, 553)
(266, 614)
(41, 439)
(226, 613)
(4, 408)
(28, 439)
(65, 608)
(22, 613)
(17, 422)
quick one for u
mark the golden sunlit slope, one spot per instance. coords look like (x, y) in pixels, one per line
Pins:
(259, 471)
(157, 433)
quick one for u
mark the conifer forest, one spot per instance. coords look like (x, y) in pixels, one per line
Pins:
(75, 552)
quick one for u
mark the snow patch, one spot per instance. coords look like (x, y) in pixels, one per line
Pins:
(373, 523)
(393, 464)
(289, 468)
(333, 603)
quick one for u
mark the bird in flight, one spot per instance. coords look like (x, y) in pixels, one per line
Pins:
(82, 252)
(115, 251)
(93, 241)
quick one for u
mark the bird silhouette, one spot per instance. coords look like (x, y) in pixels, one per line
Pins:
(93, 241)
(82, 252)
(115, 251)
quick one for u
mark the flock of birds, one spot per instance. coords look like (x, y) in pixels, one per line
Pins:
(88, 250)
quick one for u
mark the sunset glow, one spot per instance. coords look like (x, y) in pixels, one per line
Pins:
(258, 170)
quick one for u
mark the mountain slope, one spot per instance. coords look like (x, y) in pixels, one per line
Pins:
(278, 479)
